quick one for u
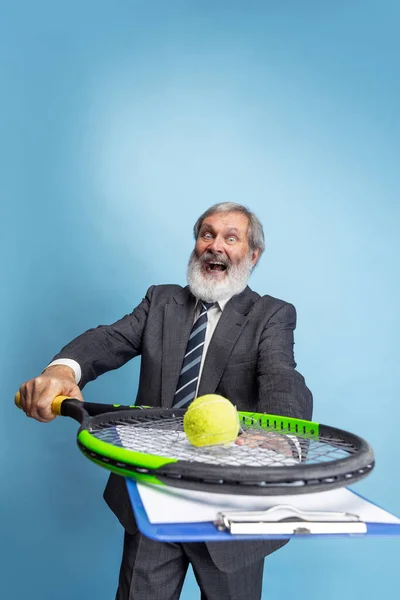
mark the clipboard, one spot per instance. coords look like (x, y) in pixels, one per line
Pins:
(283, 518)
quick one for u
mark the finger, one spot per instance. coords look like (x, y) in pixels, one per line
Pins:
(26, 396)
(38, 418)
(42, 394)
(40, 408)
(43, 411)
(75, 392)
(250, 439)
(22, 396)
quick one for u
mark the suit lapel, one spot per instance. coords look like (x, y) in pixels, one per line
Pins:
(178, 321)
(229, 327)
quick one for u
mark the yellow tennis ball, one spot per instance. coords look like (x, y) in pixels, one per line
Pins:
(211, 420)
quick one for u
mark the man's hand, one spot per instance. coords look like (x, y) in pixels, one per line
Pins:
(38, 394)
(269, 440)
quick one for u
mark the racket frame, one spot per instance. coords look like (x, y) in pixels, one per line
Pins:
(245, 480)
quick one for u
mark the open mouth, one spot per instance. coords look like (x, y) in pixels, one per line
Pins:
(215, 266)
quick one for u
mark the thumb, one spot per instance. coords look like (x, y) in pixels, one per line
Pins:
(73, 392)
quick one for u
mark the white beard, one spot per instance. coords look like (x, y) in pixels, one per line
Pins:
(209, 290)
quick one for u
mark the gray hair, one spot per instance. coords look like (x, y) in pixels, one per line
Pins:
(255, 234)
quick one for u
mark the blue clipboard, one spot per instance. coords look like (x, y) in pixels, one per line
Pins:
(208, 531)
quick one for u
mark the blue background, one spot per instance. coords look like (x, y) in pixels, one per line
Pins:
(120, 123)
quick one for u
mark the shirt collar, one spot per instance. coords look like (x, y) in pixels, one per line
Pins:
(223, 303)
(220, 303)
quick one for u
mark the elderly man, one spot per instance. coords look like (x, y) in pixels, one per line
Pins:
(214, 336)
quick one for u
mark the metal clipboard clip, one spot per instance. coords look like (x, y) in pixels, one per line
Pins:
(284, 519)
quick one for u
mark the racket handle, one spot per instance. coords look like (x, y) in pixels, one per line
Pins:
(55, 405)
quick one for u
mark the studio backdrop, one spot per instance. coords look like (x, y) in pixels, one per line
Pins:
(120, 124)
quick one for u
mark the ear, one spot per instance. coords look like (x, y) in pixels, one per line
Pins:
(255, 256)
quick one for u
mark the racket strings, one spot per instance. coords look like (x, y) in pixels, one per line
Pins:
(171, 423)
(261, 447)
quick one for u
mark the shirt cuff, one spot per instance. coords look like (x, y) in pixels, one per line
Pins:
(68, 362)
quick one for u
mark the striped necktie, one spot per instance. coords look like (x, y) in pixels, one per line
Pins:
(187, 382)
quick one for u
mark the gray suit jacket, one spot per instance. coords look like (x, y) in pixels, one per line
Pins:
(249, 360)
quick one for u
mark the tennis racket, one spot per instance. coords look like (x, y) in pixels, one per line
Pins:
(150, 446)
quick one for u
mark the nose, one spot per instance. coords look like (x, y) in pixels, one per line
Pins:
(217, 245)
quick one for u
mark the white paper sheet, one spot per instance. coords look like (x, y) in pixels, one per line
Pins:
(173, 505)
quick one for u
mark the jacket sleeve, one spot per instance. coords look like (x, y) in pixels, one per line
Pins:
(108, 347)
(280, 386)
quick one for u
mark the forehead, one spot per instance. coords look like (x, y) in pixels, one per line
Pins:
(230, 220)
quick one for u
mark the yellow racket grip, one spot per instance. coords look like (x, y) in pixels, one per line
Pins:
(55, 405)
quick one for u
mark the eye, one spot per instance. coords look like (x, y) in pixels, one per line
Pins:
(207, 235)
(232, 239)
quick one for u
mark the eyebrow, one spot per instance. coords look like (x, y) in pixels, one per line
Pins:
(211, 228)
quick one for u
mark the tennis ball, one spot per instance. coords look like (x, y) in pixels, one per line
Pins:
(211, 420)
